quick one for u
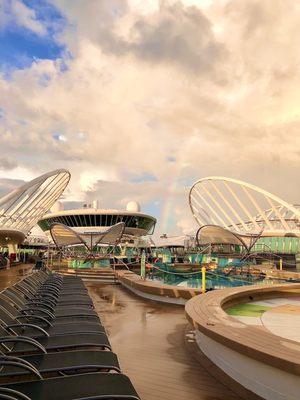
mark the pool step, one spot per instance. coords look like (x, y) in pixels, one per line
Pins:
(94, 275)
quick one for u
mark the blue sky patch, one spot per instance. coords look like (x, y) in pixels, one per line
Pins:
(153, 208)
(20, 46)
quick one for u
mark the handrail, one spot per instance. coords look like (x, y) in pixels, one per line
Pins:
(121, 262)
(15, 395)
(18, 364)
(23, 339)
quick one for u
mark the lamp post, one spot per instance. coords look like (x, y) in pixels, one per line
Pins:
(143, 265)
(203, 281)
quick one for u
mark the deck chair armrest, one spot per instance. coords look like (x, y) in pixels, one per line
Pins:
(11, 394)
(19, 363)
(55, 289)
(40, 309)
(52, 283)
(40, 303)
(21, 325)
(22, 339)
(24, 294)
(48, 299)
(46, 293)
(14, 358)
(34, 317)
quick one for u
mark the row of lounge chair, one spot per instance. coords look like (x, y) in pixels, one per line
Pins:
(53, 345)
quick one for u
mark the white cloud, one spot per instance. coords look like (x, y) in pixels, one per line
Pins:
(17, 12)
(133, 105)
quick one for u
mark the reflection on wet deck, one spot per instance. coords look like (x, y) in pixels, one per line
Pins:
(149, 340)
(12, 275)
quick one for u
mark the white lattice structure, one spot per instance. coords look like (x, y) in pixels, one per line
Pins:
(21, 209)
(242, 207)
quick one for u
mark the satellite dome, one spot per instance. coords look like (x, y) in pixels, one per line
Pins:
(133, 206)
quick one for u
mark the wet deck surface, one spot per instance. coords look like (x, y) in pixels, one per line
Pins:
(12, 275)
(149, 340)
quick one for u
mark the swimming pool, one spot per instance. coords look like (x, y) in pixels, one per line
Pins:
(213, 280)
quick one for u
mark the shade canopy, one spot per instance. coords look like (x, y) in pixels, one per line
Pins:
(214, 234)
(63, 235)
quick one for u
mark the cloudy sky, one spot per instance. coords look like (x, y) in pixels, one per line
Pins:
(138, 99)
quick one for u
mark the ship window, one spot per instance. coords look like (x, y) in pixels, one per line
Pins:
(114, 219)
(98, 220)
(109, 220)
(74, 221)
(81, 220)
(88, 217)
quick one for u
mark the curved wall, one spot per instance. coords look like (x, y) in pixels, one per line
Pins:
(265, 364)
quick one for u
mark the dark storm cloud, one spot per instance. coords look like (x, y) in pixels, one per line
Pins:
(175, 34)
(180, 35)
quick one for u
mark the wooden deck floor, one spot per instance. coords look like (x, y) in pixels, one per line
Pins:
(12, 275)
(149, 339)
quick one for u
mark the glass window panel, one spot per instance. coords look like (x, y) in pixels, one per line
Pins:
(109, 220)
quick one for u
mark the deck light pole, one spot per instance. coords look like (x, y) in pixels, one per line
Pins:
(143, 265)
(203, 281)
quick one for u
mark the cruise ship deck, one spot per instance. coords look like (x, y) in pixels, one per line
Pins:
(225, 345)
(152, 342)
(12, 275)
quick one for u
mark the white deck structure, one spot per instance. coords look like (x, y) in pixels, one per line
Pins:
(242, 207)
(21, 209)
(87, 220)
(64, 236)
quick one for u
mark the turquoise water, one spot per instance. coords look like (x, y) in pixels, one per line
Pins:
(214, 279)
(217, 279)
(212, 282)
(88, 264)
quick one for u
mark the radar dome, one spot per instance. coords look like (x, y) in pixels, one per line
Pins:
(133, 206)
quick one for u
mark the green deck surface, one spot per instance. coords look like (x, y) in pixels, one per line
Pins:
(247, 310)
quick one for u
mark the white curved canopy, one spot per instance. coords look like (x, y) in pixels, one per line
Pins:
(63, 235)
(21, 209)
(241, 207)
(214, 234)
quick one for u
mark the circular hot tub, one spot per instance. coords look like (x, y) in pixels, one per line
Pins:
(252, 335)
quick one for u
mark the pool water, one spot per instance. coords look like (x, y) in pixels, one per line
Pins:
(212, 281)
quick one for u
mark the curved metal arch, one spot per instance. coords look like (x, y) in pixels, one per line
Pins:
(66, 229)
(33, 182)
(24, 206)
(207, 210)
